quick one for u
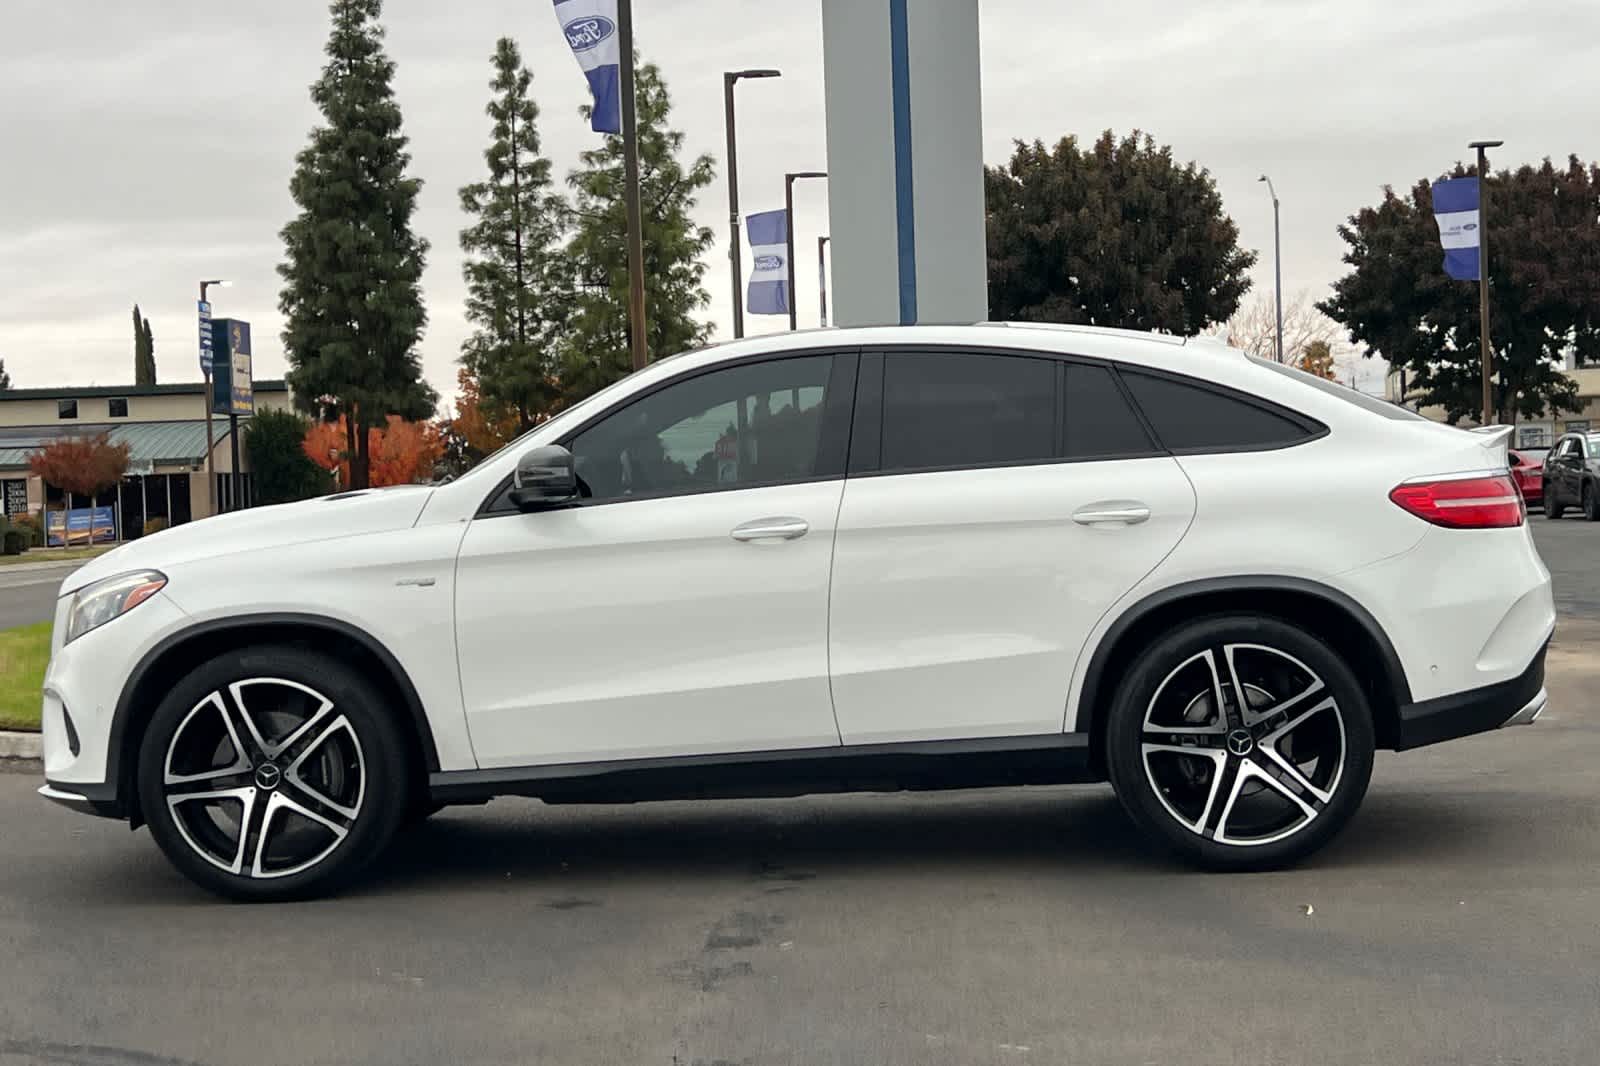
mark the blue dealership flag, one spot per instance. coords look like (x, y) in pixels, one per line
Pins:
(1455, 208)
(769, 254)
(591, 29)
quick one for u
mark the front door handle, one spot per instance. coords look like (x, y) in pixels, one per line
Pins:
(1112, 512)
(782, 528)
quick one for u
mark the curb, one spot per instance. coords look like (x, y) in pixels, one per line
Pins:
(45, 564)
(20, 745)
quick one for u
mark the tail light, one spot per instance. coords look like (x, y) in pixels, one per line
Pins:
(1478, 501)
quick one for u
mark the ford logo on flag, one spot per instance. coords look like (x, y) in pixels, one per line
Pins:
(769, 262)
(588, 32)
(1468, 227)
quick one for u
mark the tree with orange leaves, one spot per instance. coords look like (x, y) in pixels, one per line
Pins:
(401, 453)
(484, 428)
(85, 466)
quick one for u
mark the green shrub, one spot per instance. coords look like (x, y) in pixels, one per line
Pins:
(15, 542)
(154, 525)
(283, 472)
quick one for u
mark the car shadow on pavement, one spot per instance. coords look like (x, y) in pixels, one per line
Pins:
(1064, 832)
(522, 838)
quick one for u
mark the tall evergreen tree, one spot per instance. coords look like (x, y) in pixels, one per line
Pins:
(5, 376)
(352, 295)
(597, 348)
(516, 294)
(144, 350)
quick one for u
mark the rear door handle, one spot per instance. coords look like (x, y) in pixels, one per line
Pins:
(1112, 512)
(781, 528)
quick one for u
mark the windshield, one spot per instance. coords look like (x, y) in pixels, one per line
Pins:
(1344, 392)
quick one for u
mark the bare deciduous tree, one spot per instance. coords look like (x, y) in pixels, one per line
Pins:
(1254, 328)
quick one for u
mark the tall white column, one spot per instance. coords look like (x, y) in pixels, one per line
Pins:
(905, 161)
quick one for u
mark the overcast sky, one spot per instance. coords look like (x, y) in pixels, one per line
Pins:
(146, 145)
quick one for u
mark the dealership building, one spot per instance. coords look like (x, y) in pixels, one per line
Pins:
(164, 427)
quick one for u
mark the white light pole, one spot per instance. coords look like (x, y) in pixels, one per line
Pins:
(1277, 259)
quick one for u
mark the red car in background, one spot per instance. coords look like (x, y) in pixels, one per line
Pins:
(1527, 470)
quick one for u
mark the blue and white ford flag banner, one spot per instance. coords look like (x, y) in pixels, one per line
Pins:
(1455, 208)
(769, 252)
(591, 29)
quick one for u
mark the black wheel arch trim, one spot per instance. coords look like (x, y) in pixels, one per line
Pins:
(1094, 675)
(113, 791)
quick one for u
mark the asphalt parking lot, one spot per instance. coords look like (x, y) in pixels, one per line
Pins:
(1455, 921)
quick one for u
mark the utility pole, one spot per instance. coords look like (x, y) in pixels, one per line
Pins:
(1483, 275)
(788, 219)
(205, 373)
(822, 278)
(1277, 259)
(735, 266)
(630, 176)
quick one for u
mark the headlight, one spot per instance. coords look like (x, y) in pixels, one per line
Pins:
(95, 605)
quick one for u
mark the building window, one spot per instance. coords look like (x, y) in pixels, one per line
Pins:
(66, 408)
(118, 406)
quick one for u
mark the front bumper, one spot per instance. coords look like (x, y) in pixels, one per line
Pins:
(1515, 702)
(83, 799)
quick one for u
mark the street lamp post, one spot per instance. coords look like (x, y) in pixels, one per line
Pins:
(1483, 274)
(1277, 259)
(205, 372)
(788, 216)
(737, 268)
(822, 278)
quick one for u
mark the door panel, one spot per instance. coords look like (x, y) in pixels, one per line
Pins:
(647, 628)
(961, 599)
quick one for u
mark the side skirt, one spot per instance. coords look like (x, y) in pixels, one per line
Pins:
(1050, 759)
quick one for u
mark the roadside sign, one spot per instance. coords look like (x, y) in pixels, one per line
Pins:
(206, 350)
(244, 393)
(232, 387)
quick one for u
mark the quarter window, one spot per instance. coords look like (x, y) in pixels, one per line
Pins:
(1193, 418)
(758, 424)
(958, 409)
(1100, 422)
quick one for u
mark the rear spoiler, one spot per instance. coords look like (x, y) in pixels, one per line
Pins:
(1497, 442)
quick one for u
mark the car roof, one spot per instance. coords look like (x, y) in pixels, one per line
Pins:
(1188, 354)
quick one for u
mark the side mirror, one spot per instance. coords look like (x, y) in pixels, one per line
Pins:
(545, 477)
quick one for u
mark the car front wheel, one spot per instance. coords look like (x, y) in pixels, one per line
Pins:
(1552, 509)
(272, 773)
(1240, 742)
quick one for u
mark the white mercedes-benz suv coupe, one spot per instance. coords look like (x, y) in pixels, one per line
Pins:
(863, 559)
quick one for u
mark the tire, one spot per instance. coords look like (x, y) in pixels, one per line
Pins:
(330, 802)
(1591, 503)
(1552, 509)
(1201, 786)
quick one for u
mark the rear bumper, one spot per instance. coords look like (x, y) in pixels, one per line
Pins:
(1515, 702)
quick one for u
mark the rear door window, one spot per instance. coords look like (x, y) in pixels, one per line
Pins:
(944, 410)
(1193, 417)
(1100, 423)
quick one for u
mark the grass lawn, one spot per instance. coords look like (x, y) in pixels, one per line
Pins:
(23, 654)
(54, 555)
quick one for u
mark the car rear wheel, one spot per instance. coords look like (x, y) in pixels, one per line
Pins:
(1240, 742)
(272, 773)
(1552, 509)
